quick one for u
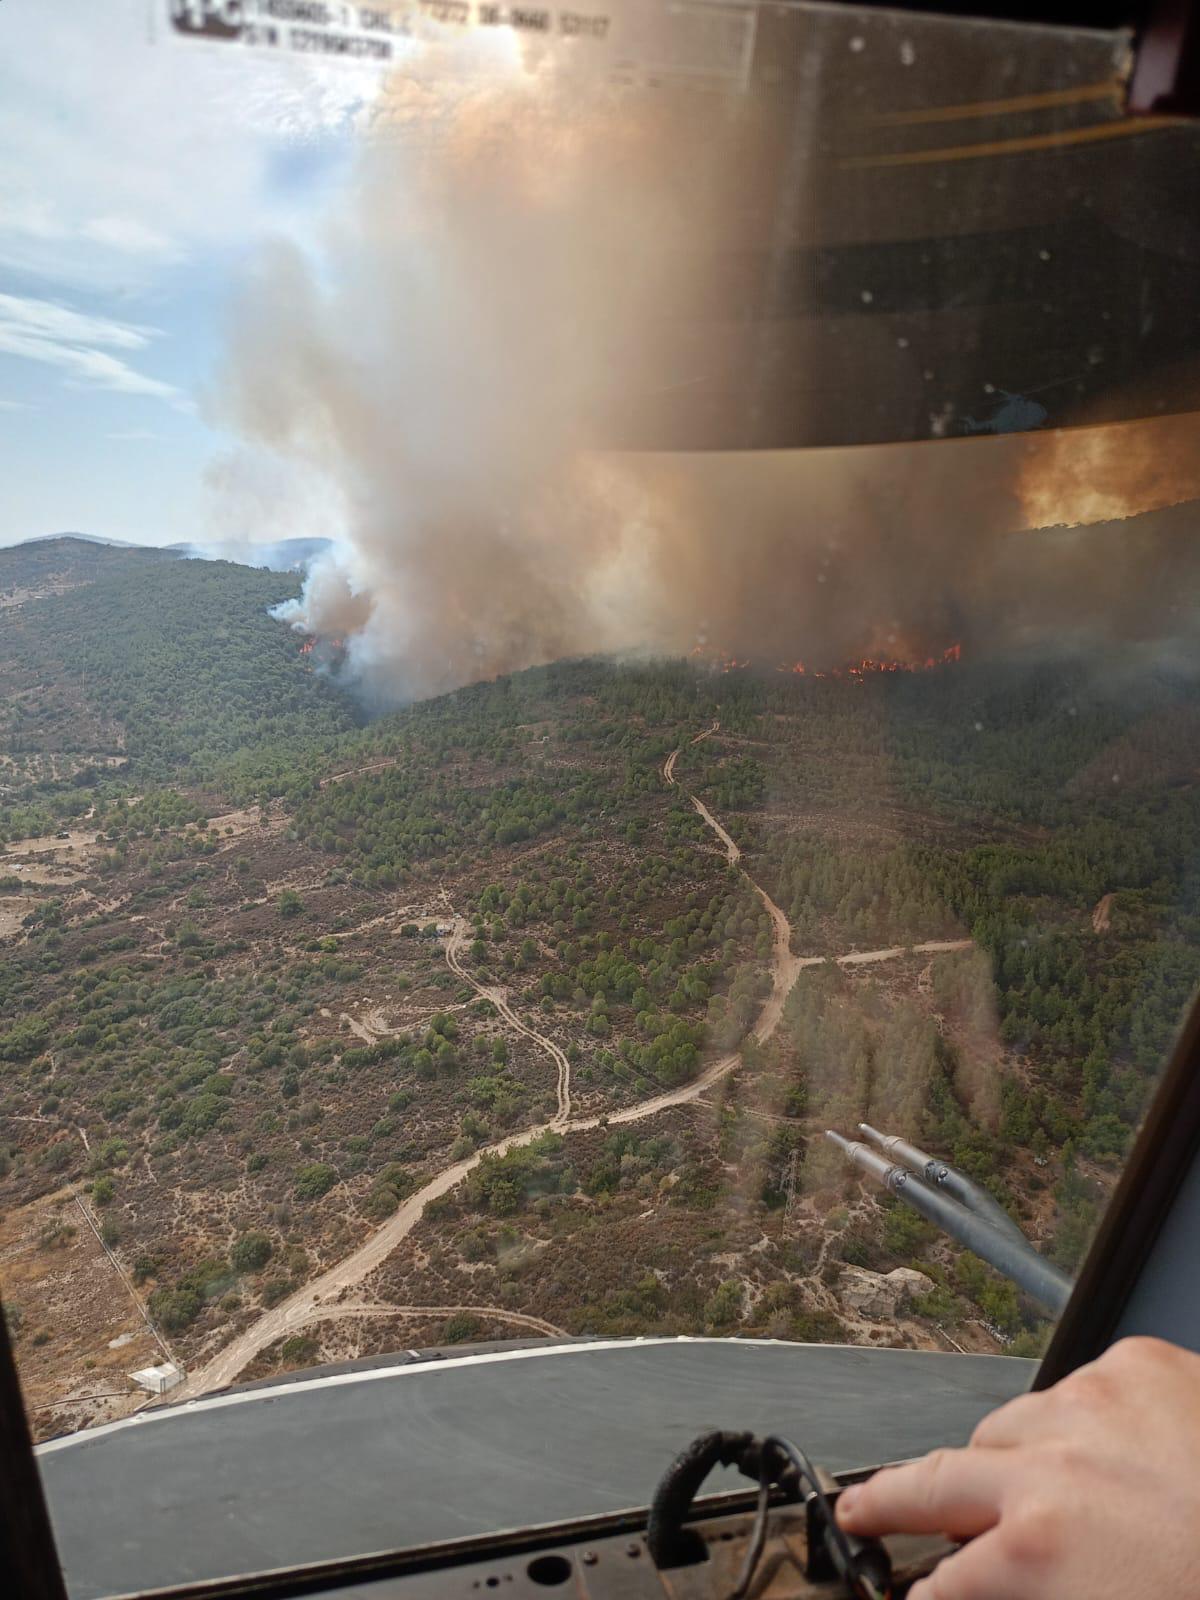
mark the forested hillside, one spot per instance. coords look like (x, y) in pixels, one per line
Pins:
(141, 666)
(284, 966)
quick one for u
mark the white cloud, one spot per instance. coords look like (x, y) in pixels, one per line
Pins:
(48, 319)
(17, 405)
(129, 236)
(58, 336)
(131, 435)
(133, 155)
(135, 178)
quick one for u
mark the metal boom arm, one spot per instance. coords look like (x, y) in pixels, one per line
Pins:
(1002, 1247)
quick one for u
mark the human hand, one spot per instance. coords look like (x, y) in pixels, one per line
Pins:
(1086, 1491)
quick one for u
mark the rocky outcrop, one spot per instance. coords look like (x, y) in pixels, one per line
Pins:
(878, 1296)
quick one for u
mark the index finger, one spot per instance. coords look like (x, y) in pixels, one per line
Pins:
(1017, 1422)
(955, 1492)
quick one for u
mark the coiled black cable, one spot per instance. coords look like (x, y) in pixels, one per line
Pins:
(863, 1565)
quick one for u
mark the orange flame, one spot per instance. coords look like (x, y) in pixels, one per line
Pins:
(718, 659)
(870, 666)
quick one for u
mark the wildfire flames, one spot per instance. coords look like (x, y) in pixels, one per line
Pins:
(855, 671)
(719, 660)
(726, 661)
(869, 667)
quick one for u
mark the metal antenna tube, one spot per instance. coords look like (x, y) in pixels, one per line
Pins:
(862, 1156)
(936, 1171)
(1015, 1258)
(908, 1155)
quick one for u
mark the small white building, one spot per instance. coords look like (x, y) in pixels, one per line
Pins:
(158, 1379)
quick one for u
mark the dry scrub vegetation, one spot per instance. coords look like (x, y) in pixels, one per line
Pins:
(228, 1022)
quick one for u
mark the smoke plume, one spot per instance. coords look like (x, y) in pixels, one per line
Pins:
(495, 286)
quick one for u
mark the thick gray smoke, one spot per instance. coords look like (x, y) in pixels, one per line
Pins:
(490, 293)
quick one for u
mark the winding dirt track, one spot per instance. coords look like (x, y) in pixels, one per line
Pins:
(317, 1300)
(354, 772)
(498, 998)
(668, 770)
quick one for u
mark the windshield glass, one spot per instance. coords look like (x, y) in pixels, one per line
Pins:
(587, 595)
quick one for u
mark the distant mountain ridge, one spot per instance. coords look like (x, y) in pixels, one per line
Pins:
(40, 568)
(279, 555)
(88, 538)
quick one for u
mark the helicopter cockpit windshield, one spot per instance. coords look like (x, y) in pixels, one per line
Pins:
(599, 724)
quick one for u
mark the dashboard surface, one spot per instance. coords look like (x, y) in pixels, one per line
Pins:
(386, 1455)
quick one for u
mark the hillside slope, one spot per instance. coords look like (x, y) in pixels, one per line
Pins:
(139, 661)
(556, 981)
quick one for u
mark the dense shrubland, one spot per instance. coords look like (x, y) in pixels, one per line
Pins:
(184, 1002)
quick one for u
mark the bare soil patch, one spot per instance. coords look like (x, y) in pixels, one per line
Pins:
(78, 1334)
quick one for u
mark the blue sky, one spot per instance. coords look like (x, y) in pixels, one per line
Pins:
(138, 179)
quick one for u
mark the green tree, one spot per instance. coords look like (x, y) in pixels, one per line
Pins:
(251, 1252)
(315, 1180)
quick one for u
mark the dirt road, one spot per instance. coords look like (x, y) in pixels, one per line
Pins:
(355, 772)
(519, 1319)
(311, 1302)
(315, 1300)
(668, 770)
(862, 958)
(732, 849)
(497, 996)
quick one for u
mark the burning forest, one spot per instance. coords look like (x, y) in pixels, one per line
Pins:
(521, 261)
(854, 671)
(323, 652)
